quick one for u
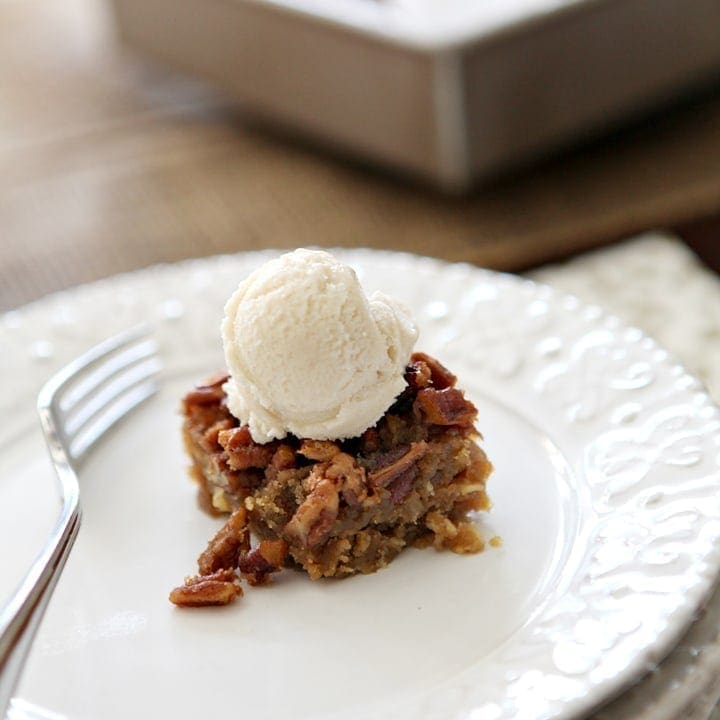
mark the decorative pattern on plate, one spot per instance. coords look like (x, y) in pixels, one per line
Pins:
(597, 372)
(657, 283)
(640, 435)
(632, 279)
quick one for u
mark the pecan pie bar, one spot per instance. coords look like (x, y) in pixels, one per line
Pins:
(335, 508)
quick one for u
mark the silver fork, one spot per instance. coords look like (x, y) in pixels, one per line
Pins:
(77, 407)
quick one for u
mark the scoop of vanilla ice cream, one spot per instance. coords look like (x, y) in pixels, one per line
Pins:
(308, 353)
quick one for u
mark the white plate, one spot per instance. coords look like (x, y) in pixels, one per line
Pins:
(606, 497)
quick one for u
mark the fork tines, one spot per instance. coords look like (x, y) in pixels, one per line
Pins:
(96, 390)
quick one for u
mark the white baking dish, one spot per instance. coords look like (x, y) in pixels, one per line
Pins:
(450, 90)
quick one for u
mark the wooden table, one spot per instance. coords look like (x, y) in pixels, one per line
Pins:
(110, 163)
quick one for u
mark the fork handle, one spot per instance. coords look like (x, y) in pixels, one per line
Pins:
(21, 616)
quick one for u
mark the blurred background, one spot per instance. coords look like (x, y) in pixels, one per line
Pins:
(138, 132)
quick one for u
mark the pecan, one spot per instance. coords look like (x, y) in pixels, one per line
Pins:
(316, 514)
(242, 452)
(223, 550)
(319, 450)
(274, 551)
(210, 437)
(217, 379)
(350, 479)
(208, 393)
(386, 474)
(379, 460)
(204, 396)
(268, 557)
(236, 437)
(255, 456)
(283, 458)
(342, 466)
(205, 591)
(441, 377)
(314, 518)
(402, 485)
(417, 374)
(445, 407)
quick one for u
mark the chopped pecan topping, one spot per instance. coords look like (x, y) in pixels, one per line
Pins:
(204, 396)
(274, 551)
(350, 479)
(441, 377)
(236, 437)
(402, 485)
(208, 393)
(384, 475)
(314, 518)
(268, 557)
(255, 456)
(445, 407)
(283, 458)
(316, 514)
(379, 460)
(219, 588)
(224, 549)
(417, 374)
(203, 591)
(210, 437)
(216, 380)
(319, 450)
(242, 452)
(342, 506)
